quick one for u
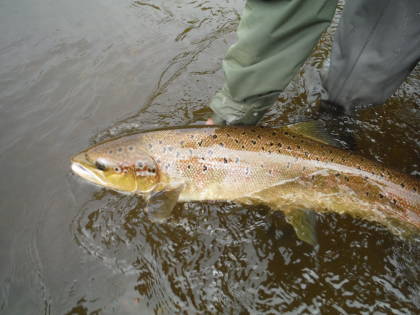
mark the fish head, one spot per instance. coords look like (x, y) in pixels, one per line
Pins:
(119, 165)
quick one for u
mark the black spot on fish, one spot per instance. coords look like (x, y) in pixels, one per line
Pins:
(192, 136)
(288, 147)
(381, 196)
(243, 147)
(394, 201)
(269, 152)
(225, 160)
(317, 159)
(140, 164)
(259, 137)
(236, 140)
(337, 174)
(214, 136)
(203, 158)
(271, 144)
(346, 178)
(273, 133)
(367, 193)
(189, 167)
(117, 169)
(200, 143)
(262, 148)
(221, 144)
(279, 145)
(204, 168)
(286, 133)
(298, 146)
(119, 149)
(253, 142)
(262, 165)
(228, 135)
(130, 148)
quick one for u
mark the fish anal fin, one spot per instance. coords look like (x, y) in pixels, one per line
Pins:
(315, 130)
(303, 222)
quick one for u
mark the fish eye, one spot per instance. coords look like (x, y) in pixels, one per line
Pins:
(100, 166)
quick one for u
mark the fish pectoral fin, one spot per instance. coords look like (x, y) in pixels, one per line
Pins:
(315, 130)
(161, 203)
(303, 222)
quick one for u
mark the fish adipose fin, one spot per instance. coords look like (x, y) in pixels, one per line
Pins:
(303, 221)
(316, 131)
(161, 203)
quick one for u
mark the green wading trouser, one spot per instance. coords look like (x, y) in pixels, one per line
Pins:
(376, 46)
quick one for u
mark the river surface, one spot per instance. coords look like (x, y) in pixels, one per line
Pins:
(73, 73)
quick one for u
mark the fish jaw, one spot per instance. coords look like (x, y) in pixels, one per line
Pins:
(82, 167)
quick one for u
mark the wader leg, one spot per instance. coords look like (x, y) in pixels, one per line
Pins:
(274, 40)
(376, 46)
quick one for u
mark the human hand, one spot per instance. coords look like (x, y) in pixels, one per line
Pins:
(210, 122)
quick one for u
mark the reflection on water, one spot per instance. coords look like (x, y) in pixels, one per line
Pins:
(73, 71)
(228, 258)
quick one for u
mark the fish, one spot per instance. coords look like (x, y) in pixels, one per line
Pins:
(298, 169)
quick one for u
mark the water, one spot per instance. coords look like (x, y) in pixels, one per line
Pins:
(73, 73)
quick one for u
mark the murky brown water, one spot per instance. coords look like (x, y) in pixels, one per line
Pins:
(77, 72)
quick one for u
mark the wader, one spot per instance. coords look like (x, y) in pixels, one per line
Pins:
(376, 46)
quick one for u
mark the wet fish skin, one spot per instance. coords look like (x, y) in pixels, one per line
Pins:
(280, 168)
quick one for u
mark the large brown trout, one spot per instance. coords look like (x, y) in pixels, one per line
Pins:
(281, 168)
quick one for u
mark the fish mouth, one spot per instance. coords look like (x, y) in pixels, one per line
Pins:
(79, 166)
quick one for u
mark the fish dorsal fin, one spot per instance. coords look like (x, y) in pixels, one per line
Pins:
(303, 221)
(315, 130)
